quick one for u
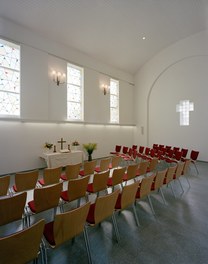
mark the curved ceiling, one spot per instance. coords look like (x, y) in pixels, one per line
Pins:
(111, 31)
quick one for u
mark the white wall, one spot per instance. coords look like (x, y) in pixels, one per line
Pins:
(177, 73)
(43, 103)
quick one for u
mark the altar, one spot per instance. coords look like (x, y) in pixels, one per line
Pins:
(58, 159)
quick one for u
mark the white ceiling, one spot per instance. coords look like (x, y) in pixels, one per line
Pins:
(111, 30)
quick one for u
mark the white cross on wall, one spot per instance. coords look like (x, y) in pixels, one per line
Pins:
(184, 108)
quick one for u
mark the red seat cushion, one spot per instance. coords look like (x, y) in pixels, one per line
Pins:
(97, 169)
(32, 206)
(64, 195)
(110, 182)
(81, 173)
(138, 194)
(63, 177)
(165, 181)
(174, 176)
(15, 188)
(90, 188)
(118, 202)
(48, 233)
(125, 177)
(91, 214)
(41, 181)
(153, 186)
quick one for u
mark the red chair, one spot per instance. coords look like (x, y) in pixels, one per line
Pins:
(134, 147)
(184, 153)
(193, 156)
(124, 151)
(117, 150)
(140, 153)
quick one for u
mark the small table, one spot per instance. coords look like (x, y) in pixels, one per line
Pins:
(58, 159)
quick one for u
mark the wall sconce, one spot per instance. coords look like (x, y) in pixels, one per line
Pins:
(58, 78)
(105, 88)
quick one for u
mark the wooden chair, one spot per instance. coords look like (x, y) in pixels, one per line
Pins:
(193, 156)
(71, 172)
(152, 165)
(145, 189)
(178, 173)
(77, 189)
(67, 226)
(158, 183)
(186, 169)
(103, 166)
(102, 209)
(115, 161)
(50, 176)
(117, 177)
(23, 246)
(44, 199)
(25, 181)
(12, 208)
(4, 185)
(130, 173)
(88, 168)
(169, 177)
(127, 198)
(142, 168)
(99, 183)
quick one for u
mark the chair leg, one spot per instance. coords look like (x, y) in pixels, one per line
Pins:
(188, 181)
(172, 190)
(87, 244)
(115, 227)
(162, 195)
(135, 215)
(151, 206)
(181, 185)
(196, 167)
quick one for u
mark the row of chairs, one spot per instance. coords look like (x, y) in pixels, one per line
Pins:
(69, 224)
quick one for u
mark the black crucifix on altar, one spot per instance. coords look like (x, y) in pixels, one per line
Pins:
(61, 141)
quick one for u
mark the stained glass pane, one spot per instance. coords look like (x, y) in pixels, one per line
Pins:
(9, 55)
(9, 103)
(74, 76)
(113, 101)
(74, 93)
(74, 111)
(114, 115)
(9, 80)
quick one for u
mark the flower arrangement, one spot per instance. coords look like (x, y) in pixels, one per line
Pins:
(48, 145)
(75, 143)
(90, 147)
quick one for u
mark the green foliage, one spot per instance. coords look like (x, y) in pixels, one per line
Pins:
(90, 147)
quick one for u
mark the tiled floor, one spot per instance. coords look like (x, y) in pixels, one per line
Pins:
(177, 235)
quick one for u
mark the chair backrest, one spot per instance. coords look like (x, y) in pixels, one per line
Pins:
(145, 185)
(141, 149)
(128, 194)
(179, 169)
(131, 171)
(12, 208)
(117, 176)
(170, 172)
(115, 161)
(51, 175)
(100, 181)
(194, 155)
(89, 167)
(184, 152)
(70, 224)
(104, 164)
(178, 155)
(23, 246)
(186, 167)
(104, 206)
(47, 197)
(117, 148)
(159, 179)
(147, 151)
(134, 147)
(4, 185)
(153, 164)
(143, 167)
(26, 180)
(125, 149)
(77, 188)
(72, 171)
